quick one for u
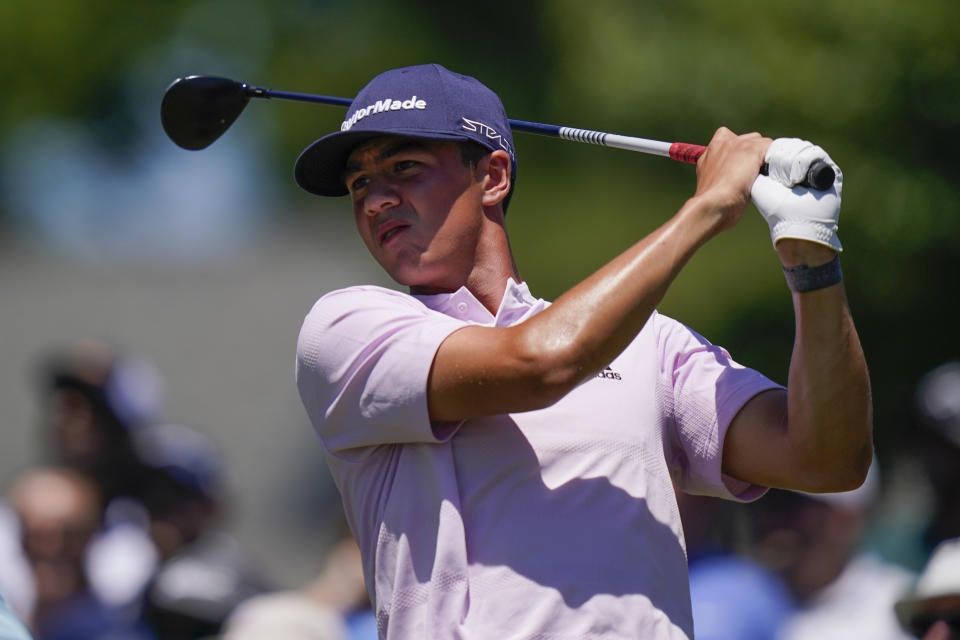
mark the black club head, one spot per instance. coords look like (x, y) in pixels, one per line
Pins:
(196, 110)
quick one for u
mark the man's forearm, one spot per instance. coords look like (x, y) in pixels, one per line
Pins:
(829, 401)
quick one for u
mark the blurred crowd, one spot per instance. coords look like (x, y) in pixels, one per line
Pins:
(118, 534)
(796, 566)
(118, 531)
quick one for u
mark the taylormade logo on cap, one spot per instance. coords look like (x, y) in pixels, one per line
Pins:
(387, 104)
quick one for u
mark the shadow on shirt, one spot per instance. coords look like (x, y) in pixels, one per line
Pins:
(482, 499)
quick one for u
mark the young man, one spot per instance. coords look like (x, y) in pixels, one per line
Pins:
(506, 463)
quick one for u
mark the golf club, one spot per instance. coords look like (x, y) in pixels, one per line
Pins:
(196, 110)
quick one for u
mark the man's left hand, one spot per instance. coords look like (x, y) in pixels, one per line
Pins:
(792, 211)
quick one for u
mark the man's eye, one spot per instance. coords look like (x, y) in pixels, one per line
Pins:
(359, 183)
(403, 165)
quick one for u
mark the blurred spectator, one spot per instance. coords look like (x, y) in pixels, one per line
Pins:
(931, 609)
(11, 628)
(938, 405)
(733, 596)
(813, 542)
(59, 512)
(182, 487)
(290, 615)
(334, 606)
(203, 573)
(93, 399)
(736, 598)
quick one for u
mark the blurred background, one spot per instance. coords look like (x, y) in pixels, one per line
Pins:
(204, 263)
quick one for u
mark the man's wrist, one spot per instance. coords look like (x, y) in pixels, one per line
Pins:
(803, 278)
(794, 252)
(702, 217)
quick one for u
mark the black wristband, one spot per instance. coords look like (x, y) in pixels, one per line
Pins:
(803, 278)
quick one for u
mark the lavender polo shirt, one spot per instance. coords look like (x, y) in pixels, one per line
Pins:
(558, 523)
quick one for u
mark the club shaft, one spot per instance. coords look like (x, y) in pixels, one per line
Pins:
(604, 139)
(260, 92)
(820, 175)
(643, 145)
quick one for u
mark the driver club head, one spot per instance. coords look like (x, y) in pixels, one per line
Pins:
(196, 110)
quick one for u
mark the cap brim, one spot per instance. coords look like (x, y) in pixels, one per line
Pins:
(319, 168)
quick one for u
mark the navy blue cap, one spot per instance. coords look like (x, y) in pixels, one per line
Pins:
(426, 102)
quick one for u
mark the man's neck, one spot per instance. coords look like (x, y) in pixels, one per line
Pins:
(493, 266)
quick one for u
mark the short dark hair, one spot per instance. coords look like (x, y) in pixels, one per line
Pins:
(471, 153)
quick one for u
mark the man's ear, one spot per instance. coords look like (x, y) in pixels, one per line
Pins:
(496, 177)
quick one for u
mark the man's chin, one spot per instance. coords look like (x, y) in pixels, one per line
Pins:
(418, 280)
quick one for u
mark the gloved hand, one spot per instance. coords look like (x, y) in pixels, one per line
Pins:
(792, 211)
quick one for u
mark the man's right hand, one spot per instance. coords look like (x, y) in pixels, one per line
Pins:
(725, 173)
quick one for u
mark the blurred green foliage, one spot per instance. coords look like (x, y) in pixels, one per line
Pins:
(877, 83)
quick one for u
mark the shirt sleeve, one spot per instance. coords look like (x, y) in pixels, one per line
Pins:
(363, 358)
(705, 388)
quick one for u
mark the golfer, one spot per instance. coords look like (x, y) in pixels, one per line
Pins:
(507, 464)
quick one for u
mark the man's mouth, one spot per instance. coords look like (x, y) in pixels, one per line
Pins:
(389, 229)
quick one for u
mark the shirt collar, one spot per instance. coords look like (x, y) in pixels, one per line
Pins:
(517, 305)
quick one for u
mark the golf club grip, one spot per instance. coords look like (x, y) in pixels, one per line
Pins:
(820, 175)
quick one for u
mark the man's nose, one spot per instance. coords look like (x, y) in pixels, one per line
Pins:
(381, 195)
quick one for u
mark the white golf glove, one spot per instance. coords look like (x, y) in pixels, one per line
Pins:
(793, 211)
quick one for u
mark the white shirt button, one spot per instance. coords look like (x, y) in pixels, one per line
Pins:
(462, 307)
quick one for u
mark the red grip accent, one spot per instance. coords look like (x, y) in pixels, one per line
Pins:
(683, 152)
